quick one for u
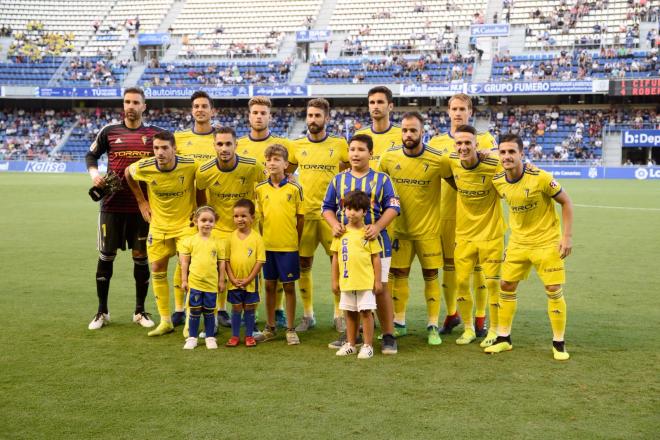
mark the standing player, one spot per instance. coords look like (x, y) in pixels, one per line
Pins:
(120, 222)
(384, 209)
(170, 181)
(460, 112)
(197, 143)
(254, 146)
(417, 172)
(536, 240)
(479, 228)
(384, 133)
(320, 157)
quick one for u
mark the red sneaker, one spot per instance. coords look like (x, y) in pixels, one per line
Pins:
(250, 342)
(233, 342)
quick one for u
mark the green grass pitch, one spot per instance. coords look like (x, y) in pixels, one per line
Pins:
(60, 380)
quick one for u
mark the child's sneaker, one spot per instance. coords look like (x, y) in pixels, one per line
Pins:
(250, 342)
(266, 335)
(190, 344)
(346, 350)
(233, 342)
(211, 343)
(292, 337)
(366, 352)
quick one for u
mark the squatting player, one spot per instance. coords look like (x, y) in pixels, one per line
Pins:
(536, 240)
(254, 145)
(460, 112)
(479, 228)
(320, 157)
(384, 209)
(197, 143)
(170, 181)
(120, 221)
(417, 172)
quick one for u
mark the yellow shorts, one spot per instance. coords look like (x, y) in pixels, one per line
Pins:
(448, 237)
(315, 231)
(161, 246)
(518, 262)
(429, 253)
(487, 253)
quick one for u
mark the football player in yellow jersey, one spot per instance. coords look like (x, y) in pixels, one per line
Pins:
(197, 143)
(417, 172)
(320, 157)
(479, 228)
(536, 240)
(383, 132)
(460, 112)
(254, 145)
(227, 178)
(170, 181)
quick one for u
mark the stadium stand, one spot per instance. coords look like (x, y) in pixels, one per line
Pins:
(94, 72)
(198, 73)
(608, 63)
(36, 74)
(393, 69)
(236, 31)
(386, 26)
(31, 134)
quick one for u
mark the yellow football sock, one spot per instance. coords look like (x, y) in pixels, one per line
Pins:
(557, 313)
(432, 295)
(507, 310)
(449, 288)
(400, 295)
(493, 286)
(162, 293)
(480, 292)
(305, 284)
(179, 295)
(279, 297)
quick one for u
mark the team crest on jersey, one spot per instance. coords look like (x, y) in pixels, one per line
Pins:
(119, 141)
(526, 192)
(181, 179)
(242, 179)
(214, 253)
(144, 140)
(250, 251)
(331, 152)
(426, 166)
(372, 185)
(288, 197)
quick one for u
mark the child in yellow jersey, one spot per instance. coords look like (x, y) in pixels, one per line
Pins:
(356, 274)
(245, 254)
(203, 273)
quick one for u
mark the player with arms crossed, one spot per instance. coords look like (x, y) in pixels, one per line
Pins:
(459, 111)
(320, 157)
(417, 172)
(120, 221)
(197, 143)
(479, 228)
(170, 181)
(254, 146)
(384, 209)
(536, 240)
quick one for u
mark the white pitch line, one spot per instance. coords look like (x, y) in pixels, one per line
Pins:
(616, 207)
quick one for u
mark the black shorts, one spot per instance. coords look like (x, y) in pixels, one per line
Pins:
(118, 230)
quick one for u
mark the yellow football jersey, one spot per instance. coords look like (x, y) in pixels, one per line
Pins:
(533, 219)
(255, 148)
(205, 254)
(225, 188)
(356, 272)
(383, 141)
(318, 162)
(445, 143)
(199, 146)
(479, 211)
(278, 207)
(417, 180)
(171, 193)
(242, 255)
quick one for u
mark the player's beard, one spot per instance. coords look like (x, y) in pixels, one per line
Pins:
(314, 129)
(414, 145)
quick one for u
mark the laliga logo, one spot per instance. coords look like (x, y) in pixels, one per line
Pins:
(593, 172)
(641, 173)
